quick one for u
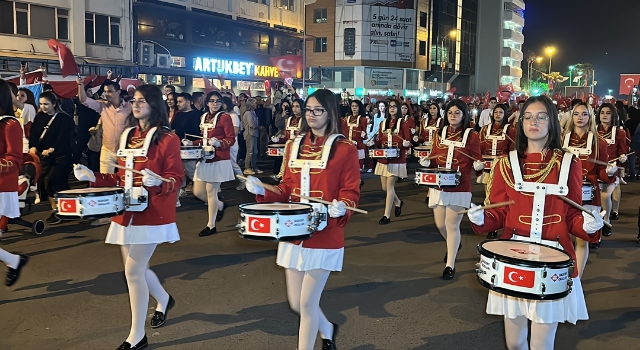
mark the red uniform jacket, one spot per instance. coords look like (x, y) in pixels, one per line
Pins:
(10, 154)
(592, 172)
(503, 147)
(411, 123)
(293, 121)
(396, 139)
(561, 220)
(424, 133)
(359, 125)
(163, 159)
(339, 180)
(224, 132)
(620, 146)
(461, 162)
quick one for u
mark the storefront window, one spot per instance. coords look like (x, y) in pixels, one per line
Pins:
(412, 79)
(162, 25)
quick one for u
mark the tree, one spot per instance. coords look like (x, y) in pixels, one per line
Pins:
(587, 72)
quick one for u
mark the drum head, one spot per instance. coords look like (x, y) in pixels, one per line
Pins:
(275, 146)
(276, 208)
(190, 147)
(422, 148)
(525, 253)
(90, 192)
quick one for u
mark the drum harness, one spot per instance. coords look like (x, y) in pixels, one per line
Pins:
(135, 197)
(578, 151)
(495, 138)
(208, 126)
(292, 129)
(391, 132)
(431, 130)
(352, 126)
(612, 140)
(452, 145)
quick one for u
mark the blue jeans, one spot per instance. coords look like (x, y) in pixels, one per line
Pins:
(251, 160)
(632, 165)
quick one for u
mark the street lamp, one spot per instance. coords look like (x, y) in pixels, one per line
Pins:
(452, 35)
(550, 51)
(571, 68)
(530, 65)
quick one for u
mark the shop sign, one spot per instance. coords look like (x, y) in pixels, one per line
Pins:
(383, 78)
(214, 65)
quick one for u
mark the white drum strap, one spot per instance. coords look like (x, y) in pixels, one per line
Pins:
(578, 151)
(389, 131)
(130, 154)
(452, 145)
(495, 138)
(612, 140)
(540, 191)
(305, 165)
(207, 126)
(292, 129)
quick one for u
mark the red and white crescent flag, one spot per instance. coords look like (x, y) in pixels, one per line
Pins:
(428, 178)
(68, 64)
(518, 277)
(378, 153)
(67, 205)
(259, 225)
(627, 81)
(289, 66)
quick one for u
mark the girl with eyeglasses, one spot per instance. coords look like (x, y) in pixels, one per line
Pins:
(496, 140)
(454, 138)
(538, 157)
(309, 263)
(392, 132)
(214, 169)
(615, 137)
(581, 139)
(354, 127)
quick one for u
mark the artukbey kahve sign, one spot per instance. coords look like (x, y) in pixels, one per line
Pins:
(233, 67)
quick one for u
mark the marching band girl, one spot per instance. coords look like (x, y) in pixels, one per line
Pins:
(496, 139)
(538, 159)
(139, 232)
(354, 127)
(217, 130)
(408, 118)
(615, 136)
(392, 132)
(291, 130)
(308, 263)
(581, 139)
(429, 125)
(455, 137)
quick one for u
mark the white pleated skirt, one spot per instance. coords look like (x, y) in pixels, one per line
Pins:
(571, 308)
(399, 170)
(9, 205)
(293, 256)
(152, 234)
(220, 171)
(460, 199)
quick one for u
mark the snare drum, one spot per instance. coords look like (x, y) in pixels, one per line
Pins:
(388, 153)
(421, 151)
(277, 221)
(90, 203)
(488, 163)
(524, 269)
(588, 192)
(190, 152)
(275, 150)
(438, 177)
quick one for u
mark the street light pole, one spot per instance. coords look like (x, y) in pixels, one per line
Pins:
(442, 64)
(550, 51)
(571, 75)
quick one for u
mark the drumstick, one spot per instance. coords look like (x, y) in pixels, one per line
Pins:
(470, 157)
(197, 136)
(628, 154)
(509, 138)
(490, 206)
(136, 171)
(273, 189)
(599, 162)
(578, 206)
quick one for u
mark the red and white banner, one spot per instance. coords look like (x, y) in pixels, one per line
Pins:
(68, 65)
(627, 81)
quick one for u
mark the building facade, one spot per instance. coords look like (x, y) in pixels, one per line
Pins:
(97, 32)
(500, 42)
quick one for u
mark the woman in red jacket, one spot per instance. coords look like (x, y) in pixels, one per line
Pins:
(354, 127)
(393, 132)
(539, 155)
(139, 232)
(308, 263)
(456, 137)
(10, 163)
(216, 169)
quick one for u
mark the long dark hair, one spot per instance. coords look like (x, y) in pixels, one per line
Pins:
(361, 109)
(6, 99)
(438, 113)
(159, 115)
(31, 99)
(175, 100)
(554, 140)
(615, 119)
(288, 112)
(504, 119)
(301, 104)
(51, 97)
(208, 97)
(329, 102)
(466, 117)
(227, 104)
(389, 116)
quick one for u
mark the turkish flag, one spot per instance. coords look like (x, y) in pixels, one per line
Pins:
(378, 153)
(208, 87)
(289, 66)
(428, 178)
(627, 81)
(68, 64)
(520, 278)
(129, 85)
(67, 205)
(259, 225)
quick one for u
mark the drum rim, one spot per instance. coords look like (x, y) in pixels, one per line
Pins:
(61, 194)
(439, 170)
(190, 147)
(244, 210)
(524, 295)
(525, 263)
(276, 146)
(274, 239)
(422, 148)
(91, 216)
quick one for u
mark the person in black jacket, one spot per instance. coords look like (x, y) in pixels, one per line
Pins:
(87, 118)
(186, 121)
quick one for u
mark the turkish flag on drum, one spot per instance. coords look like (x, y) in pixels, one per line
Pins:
(627, 81)
(259, 225)
(378, 153)
(67, 205)
(520, 278)
(429, 178)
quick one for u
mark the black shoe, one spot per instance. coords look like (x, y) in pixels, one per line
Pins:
(401, 179)
(606, 231)
(448, 273)
(207, 232)
(13, 274)
(638, 238)
(159, 318)
(53, 219)
(361, 183)
(594, 246)
(446, 255)
(220, 213)
(142, 344)
(614, 216)
(330, 344)
(385, 220)
(426, 200)
(492, 235)
(398, 210)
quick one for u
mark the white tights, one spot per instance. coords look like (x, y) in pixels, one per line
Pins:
(208, 192)
(605, 196)
(12, 260)
(389, 186)
(304, 289)
(141, 281)
(615, 199)
(448, 223)
(542, 334)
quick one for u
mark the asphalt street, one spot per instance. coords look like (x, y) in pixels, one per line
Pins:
(230, 294)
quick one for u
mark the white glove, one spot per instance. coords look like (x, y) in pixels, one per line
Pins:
(337, 209)
(416, 138)
(363, 134)
(478, 165)
(275, 139)
(476, 214)
(593, 223)
(623, 158)
(150, 179)
(214, 142)
(254, 185)
(354, 142)
(413, 131)
(186, 142)
(83, 173)
(426, 143)
(371, 143)
(424, 162)
(612, 169)
(406, 143)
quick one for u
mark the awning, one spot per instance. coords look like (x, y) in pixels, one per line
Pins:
(109, 62)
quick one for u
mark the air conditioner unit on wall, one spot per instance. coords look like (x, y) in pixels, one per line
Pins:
(163, 60)
(146, 55)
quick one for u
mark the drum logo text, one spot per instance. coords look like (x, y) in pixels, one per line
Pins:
(523, 251)
(520, 278)
(561, 277)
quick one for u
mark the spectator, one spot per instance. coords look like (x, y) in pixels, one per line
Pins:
(242, 146)
(264, 120)
(227, 106)
(172, 108)
(251, 135)
(186, 121)
(168, 89)
(198, 101)
(26, 104)
(86, 127)
(485, 115)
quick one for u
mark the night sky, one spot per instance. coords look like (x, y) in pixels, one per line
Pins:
(603, 33)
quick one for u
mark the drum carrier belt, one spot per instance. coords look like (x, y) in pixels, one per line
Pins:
(452, 144)
(495, 138)
(578, 151)
(431, 129)
(390, 133)
(131, 153)
(205, 127)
